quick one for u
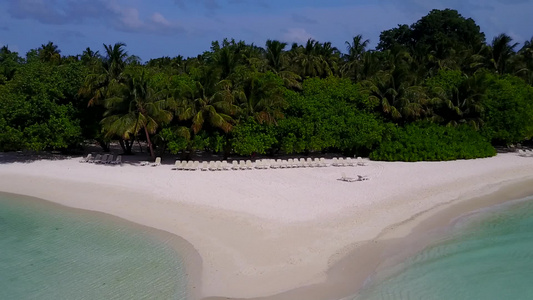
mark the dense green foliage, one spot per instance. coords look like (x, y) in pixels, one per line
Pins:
(37, 108)
(430, 142)
(251, 137)
(329, 114)
(508, 109)
(244, 99)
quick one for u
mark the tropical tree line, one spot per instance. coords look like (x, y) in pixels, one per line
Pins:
(240, 98)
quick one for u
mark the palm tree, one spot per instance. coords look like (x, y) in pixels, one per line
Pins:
(501, 52)
(461, 103)
(9, 63)
(525, 69)
(200, 107)
(49, 53)
(115, 61)
(395, 90)
(106, 79)
(330, 57)
(260, 96)
(138, 108)
(89, 57)
(275, 55)
(354, 59)
(277, 62)
(309, 60)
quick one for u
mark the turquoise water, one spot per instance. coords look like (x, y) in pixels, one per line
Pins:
(488, 255)
(50, 252)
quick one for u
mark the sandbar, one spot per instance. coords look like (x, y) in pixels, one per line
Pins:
(278, 232)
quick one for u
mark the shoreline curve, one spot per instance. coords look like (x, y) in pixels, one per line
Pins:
(266, 234)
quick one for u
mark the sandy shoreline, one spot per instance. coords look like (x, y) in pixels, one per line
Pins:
(265, 232)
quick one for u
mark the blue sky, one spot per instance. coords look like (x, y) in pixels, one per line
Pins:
(170, 27)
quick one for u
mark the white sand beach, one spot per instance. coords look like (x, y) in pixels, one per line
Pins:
(264, 232)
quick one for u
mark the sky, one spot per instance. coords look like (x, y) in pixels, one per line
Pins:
(156, 28)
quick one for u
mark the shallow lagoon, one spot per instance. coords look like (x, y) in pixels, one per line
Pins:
(53, 252)
(488, 255)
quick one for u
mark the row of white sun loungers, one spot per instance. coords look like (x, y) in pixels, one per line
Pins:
(264, 164)
(102, 159)
(238, 165)
(348, 162)
(525, 153)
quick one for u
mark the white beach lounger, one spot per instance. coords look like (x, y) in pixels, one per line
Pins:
(290, 162)
(349, 162)
(242, 165)
(303, 164)
(104, 159)
(335, 162)
(347, 179)
(225, 165)
(177, 165)
(100, 160)
(157, 162)
(274, 164)
(361, 162)
(313, 163)
(205, 166)
(96, 159)
(117, 161)
(193, 166)
(234, 165)
(284, 164)
(267, 163)
(309, 162)
(316, 163)
(341, 162)
(293, 163)
(362, 178)
(86, 159)
(260, 164)
(109, 159)
(249, 165)
(323, 162)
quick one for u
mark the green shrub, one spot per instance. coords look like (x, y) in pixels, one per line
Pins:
(508, 110)
(251, 137)
(431, 142)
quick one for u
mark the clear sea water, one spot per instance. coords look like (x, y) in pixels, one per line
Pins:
(50, 252)
(487, 255)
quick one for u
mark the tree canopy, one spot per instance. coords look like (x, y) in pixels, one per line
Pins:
(437, 76)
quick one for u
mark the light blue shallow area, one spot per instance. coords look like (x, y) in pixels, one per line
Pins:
(47, 252)
(489, 255)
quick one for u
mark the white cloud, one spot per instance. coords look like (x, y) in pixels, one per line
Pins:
(130, 20)
(158, 18)
(298, 35)
(128, 16)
